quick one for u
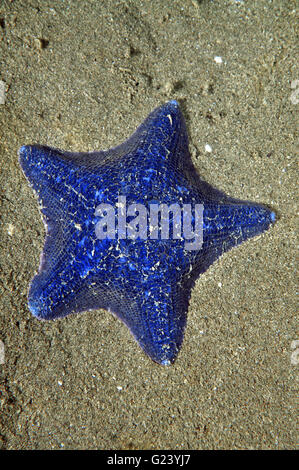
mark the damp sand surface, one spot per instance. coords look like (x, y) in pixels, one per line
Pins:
(81, 75)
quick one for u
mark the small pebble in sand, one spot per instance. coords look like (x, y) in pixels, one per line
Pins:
(218, 59)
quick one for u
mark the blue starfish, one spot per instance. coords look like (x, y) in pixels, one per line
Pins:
(145, 280)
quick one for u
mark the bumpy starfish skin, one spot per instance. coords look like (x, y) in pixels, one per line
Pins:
(145, 282)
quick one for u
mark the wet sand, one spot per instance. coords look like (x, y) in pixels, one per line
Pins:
(82, 76)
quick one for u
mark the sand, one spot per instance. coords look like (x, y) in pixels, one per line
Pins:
(81, 75)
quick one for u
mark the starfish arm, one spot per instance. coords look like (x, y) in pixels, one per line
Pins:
(157, 319)
(161, 136)
(66, 293)
(61, 200)
(154, 313)
(226, 226)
